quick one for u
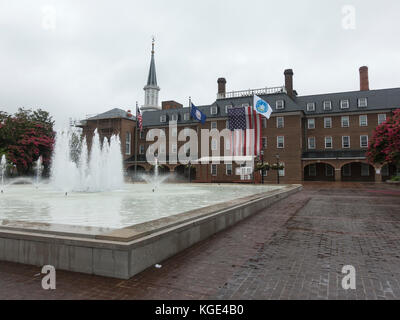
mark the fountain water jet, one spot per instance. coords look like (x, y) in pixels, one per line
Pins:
(101, 170)
(39, 170)
(3, 164)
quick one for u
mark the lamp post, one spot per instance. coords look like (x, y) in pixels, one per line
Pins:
(277, 167)
(262, 170)
(190, 169)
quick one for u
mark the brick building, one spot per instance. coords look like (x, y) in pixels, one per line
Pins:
(320, 137)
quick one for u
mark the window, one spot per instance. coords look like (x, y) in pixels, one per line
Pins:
(280, 142)
(329, 171)
(364, 170)
(346, 170)
(227, 144)
(174, 132)
(128, 143)
(264, 122)
(280, 122)
(345, 142)
(311, 106)
(162, 148)
(311, 123)
(345, 122)
(186, 116)
(141, 149)
(280, 104)
(312, 170)
(311, 143)
(174, 117)
(328, 142)
(228, 169)
(214, 169)
(362, 102)
(245, 105)
(327, 105)
(213, 125)
(363, 121)
(282, 171)
(364, 141)
(227, 107)
(327, 122)
(381, 118)
(344, 104)
(227, 124)
(142, 134)
(264, 142)
(214, 110)
(163, 118)
(214, 145)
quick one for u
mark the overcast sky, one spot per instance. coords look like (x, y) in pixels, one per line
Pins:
(78, 57)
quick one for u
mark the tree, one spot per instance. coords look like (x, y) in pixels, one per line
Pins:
(26, 136)
(384, 147)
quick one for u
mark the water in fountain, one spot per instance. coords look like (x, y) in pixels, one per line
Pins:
(101, 170)
(3, 164)
(38, 170)
(156, 179)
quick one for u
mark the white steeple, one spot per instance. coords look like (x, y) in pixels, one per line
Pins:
(151, 89)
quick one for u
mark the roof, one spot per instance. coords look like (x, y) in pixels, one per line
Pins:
(152, 78)
(112, 114)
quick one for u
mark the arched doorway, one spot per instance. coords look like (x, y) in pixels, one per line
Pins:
(388, 171)
(357, 171)
(319, 172)
(182, 172)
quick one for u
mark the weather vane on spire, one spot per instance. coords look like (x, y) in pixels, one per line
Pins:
(152, 44)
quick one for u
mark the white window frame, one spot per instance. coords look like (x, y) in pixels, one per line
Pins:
(283, 142)
(174, 148)
(348, 121)
(227, 124)
(174, 117)
(277, 122)
(325, 105)
(311, 106)
(380, 121)
(216, 170)
(163, 118)
(128, 139)
(312, 170)
(344, 104)
(214, 110)
(245, 105)
(362, 102)
(214, 124)
(343, 138)
(214, 144)
(326, 139)
(363, 135)
(325, 122)
(174, 131)
(280, 104)
(227, 107)
(227, 144)
(228, 167)
(362, 124)
(186, 116)
(282, 171)
(309, 121)
(309, 143)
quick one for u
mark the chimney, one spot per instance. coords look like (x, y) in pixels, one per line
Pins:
(221, 87)
(289, 82)
(364, 82)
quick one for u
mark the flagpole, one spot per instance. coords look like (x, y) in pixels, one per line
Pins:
(136, 140)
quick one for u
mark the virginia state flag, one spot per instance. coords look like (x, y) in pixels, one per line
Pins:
(197, 114)
(262, 107)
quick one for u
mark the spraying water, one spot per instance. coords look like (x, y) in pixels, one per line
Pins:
(38, 170)
(101, 170)
(3, 164)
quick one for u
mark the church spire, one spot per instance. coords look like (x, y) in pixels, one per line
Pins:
(151, 89)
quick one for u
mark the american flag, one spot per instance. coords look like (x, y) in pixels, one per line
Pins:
(139, 118)
(246, 124)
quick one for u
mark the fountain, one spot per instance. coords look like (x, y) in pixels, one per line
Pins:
(101, 170)
(155, 180)
(3, 164)
(38, 170)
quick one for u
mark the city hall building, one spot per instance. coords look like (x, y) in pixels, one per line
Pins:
(322, 137)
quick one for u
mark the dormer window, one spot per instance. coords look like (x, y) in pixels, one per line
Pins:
(186, 116)
(362, 102)
(227, 107)
(344, 104)
(280, 104)
(327, 105)
(214, 110)
(163, 118)
(311, 106)
(174, 117)
(245, 105)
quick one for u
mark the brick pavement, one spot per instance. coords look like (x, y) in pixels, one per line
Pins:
(293, 250)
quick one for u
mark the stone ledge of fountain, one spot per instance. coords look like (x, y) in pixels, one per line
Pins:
(125, 252)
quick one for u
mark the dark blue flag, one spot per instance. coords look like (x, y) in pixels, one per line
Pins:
(197, 114)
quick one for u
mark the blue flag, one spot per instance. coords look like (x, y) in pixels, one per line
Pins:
(197, 114)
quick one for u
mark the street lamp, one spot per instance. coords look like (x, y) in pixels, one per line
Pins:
(190, 169)
(262, 170)
(277, 167)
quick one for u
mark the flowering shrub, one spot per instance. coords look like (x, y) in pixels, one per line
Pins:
(384, 147)
(26, 136)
